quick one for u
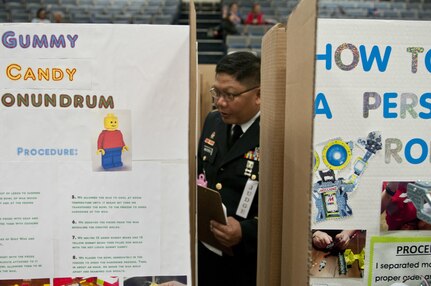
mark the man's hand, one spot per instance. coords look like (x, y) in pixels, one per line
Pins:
(321, 239)
(228, 235)
(100, 151)
(343, 239)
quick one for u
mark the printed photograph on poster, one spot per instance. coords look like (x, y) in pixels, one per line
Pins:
(25, 282)
(113, 151)
(338, 253)
(180, 280)
(339, 164)
(406, 205)
(87, 281)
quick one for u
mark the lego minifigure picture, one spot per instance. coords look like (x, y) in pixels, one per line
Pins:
(112, 151)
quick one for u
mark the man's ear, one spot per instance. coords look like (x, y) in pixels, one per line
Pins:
(258, 96)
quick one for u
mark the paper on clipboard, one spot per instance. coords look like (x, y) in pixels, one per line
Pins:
(210, 207)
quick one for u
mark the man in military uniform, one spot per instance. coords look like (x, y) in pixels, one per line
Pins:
(228, 159)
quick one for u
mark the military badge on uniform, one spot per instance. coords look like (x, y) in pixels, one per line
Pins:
(208, 150)
(208, 146)
(209, 142)
(253, 154)
(249, 168)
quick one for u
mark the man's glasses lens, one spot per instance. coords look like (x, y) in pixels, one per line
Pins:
(216, 94)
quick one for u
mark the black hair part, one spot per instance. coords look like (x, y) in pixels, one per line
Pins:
(243, 66)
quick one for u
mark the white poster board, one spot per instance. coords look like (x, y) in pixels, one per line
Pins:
(372, 112)
(63, 213)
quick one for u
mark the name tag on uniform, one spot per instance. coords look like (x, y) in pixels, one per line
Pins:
(247, 198)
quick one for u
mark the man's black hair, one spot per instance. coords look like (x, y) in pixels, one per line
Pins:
(243, 66)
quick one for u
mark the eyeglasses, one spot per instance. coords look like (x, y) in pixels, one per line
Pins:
(216, 94)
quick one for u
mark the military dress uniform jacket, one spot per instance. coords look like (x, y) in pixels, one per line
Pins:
(228, 171)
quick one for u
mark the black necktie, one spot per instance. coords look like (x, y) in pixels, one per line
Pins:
(236, 133)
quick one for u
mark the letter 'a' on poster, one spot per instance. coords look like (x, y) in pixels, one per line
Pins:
(94, 155)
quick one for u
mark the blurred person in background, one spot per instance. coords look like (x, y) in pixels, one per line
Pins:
(255, 16)
(41, 16)
(57, 17)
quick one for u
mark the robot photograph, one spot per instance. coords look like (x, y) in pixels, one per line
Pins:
(330, 193)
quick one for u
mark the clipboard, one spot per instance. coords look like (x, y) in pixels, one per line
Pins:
(210, 208)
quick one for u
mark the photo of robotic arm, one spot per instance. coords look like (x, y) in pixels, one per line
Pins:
(372, 144)
(420, 194)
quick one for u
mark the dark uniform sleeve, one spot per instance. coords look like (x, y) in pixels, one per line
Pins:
(248, 244)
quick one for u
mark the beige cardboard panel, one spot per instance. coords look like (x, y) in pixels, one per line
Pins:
(206, 80)
(273, 91)
(192, 137)
(301, 46)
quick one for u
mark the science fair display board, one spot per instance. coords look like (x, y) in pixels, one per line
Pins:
(371, 190)
(94, 154)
